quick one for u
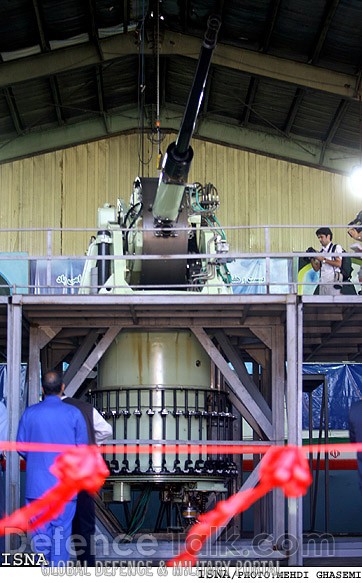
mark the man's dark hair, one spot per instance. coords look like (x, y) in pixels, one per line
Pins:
(324, 231)
(52, 382)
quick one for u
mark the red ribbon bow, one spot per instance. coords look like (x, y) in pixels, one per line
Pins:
(78, 468)
(281, 467)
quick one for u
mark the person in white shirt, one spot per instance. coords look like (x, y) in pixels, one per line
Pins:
(83, 526)
(328, 265)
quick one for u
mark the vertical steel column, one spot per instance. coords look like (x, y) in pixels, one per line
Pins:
(326, 458)
(278, 392)
(267, 259)
(14, 321)
(34, 366)
(38, 339)
(294, 423)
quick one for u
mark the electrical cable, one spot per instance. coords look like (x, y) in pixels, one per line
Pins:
(158, 122)
(141, 92)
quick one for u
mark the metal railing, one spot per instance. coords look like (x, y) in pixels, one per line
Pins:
(262, 271)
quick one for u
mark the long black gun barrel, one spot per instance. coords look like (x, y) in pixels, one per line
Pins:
(182, 143)
(179, 154)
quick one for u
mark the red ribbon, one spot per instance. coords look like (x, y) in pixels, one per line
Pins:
(77, 468)
(282, 467)
(83, 468)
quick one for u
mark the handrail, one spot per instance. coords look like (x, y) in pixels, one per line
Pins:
(268, 282)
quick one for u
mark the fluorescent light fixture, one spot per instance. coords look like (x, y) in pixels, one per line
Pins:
(356, 179)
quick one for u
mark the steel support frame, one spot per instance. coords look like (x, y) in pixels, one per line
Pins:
(294, 394)
(38, 339)
(291, 332)
(259, 419)
(14, 409)
(278, 393)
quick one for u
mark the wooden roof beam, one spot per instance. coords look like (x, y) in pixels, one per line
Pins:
(13, 109)
(271, 21)
(323, 31)
(336, 122)
(122, 45)
(44, 44)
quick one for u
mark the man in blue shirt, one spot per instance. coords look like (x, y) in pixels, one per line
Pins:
(50, 421)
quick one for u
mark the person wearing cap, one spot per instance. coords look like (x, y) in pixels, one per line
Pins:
(328, 266)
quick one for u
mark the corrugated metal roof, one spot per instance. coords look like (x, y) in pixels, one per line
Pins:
(96, 66)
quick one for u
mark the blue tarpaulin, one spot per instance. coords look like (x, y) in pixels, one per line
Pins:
(3, 396)
(344, 383)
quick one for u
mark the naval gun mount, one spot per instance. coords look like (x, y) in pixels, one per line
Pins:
(165, 216)
(160, 384)
(131, 233)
